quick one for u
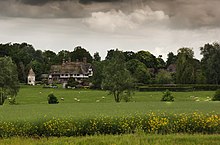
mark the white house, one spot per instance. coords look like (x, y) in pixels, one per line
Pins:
(31, 77)
(77, 70)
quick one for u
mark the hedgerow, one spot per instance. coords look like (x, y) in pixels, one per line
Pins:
(149, 123)
(179, 87)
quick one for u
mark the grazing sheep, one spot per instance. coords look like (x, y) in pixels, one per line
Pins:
(97, 101)
(62, 99)
(103, 97)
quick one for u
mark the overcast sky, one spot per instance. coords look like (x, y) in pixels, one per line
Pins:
(158, 26)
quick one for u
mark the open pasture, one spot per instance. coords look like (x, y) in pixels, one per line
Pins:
(131, 139)
(91, 112)
(32, 104)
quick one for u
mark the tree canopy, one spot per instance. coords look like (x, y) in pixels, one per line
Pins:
(211, 62)
(185, 69)
(9, 84)
(117, 79)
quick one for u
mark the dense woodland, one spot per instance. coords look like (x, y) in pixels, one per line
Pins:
(142, 66)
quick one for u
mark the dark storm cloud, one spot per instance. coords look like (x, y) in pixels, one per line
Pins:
(90, 1)
(42, 2)
(37, 2)
(182, 13)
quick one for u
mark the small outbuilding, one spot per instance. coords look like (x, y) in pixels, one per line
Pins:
(31, 77)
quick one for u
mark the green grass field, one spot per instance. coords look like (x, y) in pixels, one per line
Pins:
(131, 139)
(32, 104)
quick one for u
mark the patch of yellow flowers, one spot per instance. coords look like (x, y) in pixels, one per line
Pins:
(160, 123)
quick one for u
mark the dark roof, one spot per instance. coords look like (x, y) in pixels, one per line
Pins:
(71, 67)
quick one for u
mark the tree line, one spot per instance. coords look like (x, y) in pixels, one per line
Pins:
(143, 66)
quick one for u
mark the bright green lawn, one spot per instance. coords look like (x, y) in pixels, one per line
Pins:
(32, 104)
(131, 139)
(38, 95)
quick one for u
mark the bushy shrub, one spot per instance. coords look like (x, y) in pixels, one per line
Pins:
(72, 83)
(167, 96)
(151, 123)
(216, 97)
(179, 87)
(52, 99)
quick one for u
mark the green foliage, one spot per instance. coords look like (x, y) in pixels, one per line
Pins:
(216, 97)
(12, 100)
(9, 84)
(129, 55)
(136, 138)
(171, 59)
(52, 99)
(167, 96)
(96, 57)
(80, 53)
(147, 58)
(211, 62)
(160, 62)
(164, 88)
(2, 98)
(117, 78)
(63, 55)
(185, 73)
(151, 123)
(179, 87)
(72, 82)
(97, 74)
(163, 77)
(200, 77)
(139, 71)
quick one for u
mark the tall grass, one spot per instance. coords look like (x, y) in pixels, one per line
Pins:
(129, 139)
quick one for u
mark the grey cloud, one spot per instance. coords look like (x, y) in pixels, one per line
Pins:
(43, 2)
(190, 13)
(182, 13)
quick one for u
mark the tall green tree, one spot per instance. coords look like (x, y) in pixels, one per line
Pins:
(96, 57)
(113, 52)
(160, 62)
(185, 71)
(139, 71)
(49, 58)
(117, 79)
(129, 55)
(97, 74)
(63, 55)
(211, 62)
(147, 58)
(9, 84)
(164, 77)
(171, 59)
(79, 53)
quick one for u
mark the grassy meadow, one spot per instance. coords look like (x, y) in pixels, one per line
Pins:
(32, 104)
(94, 112)
(131, 139)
